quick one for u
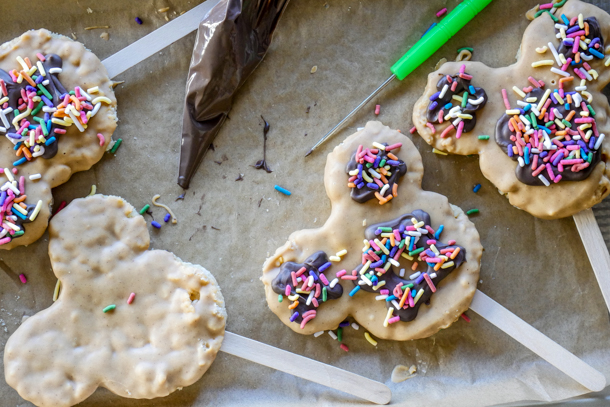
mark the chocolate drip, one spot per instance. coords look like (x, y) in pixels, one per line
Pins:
(312, 265)
(524, 174)
(462, 86)
(392, 279)
(361, 195)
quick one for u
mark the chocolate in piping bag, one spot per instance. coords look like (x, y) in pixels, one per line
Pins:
(232, 39)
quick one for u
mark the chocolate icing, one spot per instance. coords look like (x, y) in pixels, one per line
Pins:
(392, 279)
(594, 32)
(231, 41)
(524, 174)
(312, 264)
(54, 87)
(463, 86)
(361, 195)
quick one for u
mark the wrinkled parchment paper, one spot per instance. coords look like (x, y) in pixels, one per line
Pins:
(537, 269)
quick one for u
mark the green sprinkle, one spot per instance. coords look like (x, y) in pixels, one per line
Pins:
(18, 233)
(45, 91)
(109, 308)
(339, 334)
(324, 294)
(591, 110)
(416, 251)
(402, 244)
(404, 287)
(539, 13)
(466, 48)
(37, 108)
(387, 230)
(590, 157)
(280, 298)
(16, 112)
(483, 137)
(378, 252)
(549, 123)
(72, 92)
(472, 212)
(143, 210)
(567, 123)
(559, 4)
(38, 92)
(382, 163)
(369, 165)
(533, 120)
(34, 77)
(464, 99)
(116, 146)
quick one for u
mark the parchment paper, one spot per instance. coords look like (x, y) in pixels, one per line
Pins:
(537, 269)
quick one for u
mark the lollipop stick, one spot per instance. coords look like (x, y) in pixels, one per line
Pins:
(537, 342)
(306, 368)
(157, 40)
(596, 249)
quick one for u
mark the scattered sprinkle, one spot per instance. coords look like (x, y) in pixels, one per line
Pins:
(93, 190)
(115, 146)
(344, 347)
(370, 339)
(413, 130)
(34, 177)
(144, 209)
(282, 190)
(109, 308)
(483, 137)
(132, 296)
(167, 208)
(167, 217)
(314, 69)
(465, 317)
(441, 12)
(163, 10)
(472, 212)
(156, 224)
(22, 278)
(139, 20)
(476, 188)
(96, 27)
(105, 36)
(435, 151)
(377, 109)
(56, 290)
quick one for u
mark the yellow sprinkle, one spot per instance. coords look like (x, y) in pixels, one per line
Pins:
(381, 284)
(36, 211)
(560, 124)
(41, 68)
(464, 116)
(541, 50)
(56, 291)
(370, 339)
(406, 256)
(434, 249)
(544, 62)
(94, 89)
(13, 226)
(60, 122)
(18, 118)
(334, 258)
(32, 70)
(588, 95)
(518, 91)
(593, 73)
(20, 78)
(389, 315)
(562, 59)
(299, 291)
(581, 23)
(154, 201)
(101, 99)
(366, 177)
(382, 247)
(93, 190)
(365, 267)
(447, 265)
(3, 100)
(513, 111)
(20, 209)
(458, 98)
(23, 64)
(379, 146)
(607, 63)
(546, 95)
(9, 174)
(418, 296)
(293, 297)
(341, 253)
(435, 151)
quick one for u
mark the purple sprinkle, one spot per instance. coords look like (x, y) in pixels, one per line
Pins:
(434, 96)
(30, 88)
(377, 161)
(324, 266)
(510, 150)
(139, 20)
(39, 79)
(311, 273)
(156, 224)
(569, 142)
(430, 253)
(360, 185)
(558, 158)
(583, 146)
(376, 264)
(372, 185)
(47, 117)
(433, 106)
(593, 42)
(392, 162)
(553, 97)
(544, 154)
(294, 316)
(344, 324)
(393, 251)
(13, 135)
(2, 197)
(378, 232)
(401, 228)
(419, 279)
(167, 217)
(568, 41)
(47, 101)
(572, 29)
(592, 143)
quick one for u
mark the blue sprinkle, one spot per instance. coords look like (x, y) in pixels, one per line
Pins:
(596, 53)
(294, 316)
(167, 217)
(156, 224)
(139, 20)
(311, 273)
(50, 141)
(282, 190)
(19, 162)
(413, 293)
(475, 190)
(510, 150)
(526, 155)
(324, 266)
(448, 105)
(565, 19)
(354, 291)
(344, 324)
(390, 298)
(21, 215)
(471, 90)
(526, 108)
(2, 197)
(437, 235)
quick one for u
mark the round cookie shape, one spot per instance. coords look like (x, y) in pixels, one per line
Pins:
(343, 233)
(164, 339)
(508, 89)
(41, 140)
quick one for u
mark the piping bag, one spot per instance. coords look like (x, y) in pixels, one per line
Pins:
(232, 39)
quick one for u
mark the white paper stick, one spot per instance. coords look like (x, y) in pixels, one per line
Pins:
(537, 342)
(596, 249)
(306, 368)
(157, 40)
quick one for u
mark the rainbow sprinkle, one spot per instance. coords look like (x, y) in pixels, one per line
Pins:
(14, 212)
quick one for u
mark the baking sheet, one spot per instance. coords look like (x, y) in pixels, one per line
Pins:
(537, 269)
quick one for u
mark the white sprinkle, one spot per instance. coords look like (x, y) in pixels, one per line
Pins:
(333, 283)
(318, 334)
(381, 297)
(55, 70)
(443, 91)
(521, 162)
(402, 272)
(559, 72)
(4, 119)
(311, 294)
(554, 51)
(394, 262)
(544, 180)
(96, 108)
(415, 275)
(476, 101)
(395, 304)
(35, 176)
(355, 326)
(433, 275)
(598, 142)
(85, 94)
(48, 109)
(332, 335)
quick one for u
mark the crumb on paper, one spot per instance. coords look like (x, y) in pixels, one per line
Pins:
(73, 36)
(105, 36)
(402, 373)
(97, 27)
(163, 10)
(314, 69)
(117, 83)
(89, 10)
(363, 222)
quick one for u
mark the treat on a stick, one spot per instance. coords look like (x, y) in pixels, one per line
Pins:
(139, 322)
(404, 264)
(539, 126)
(57, 116)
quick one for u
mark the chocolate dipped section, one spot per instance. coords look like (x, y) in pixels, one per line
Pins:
(309, 297)
(591, 32)
(382, 277)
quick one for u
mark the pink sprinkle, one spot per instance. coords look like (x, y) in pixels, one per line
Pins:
(324, 279)
(393, 319)
(22, 185)
(40, 56)
(441, 114)
(538, 170)
(349, 278)
(1, 170)
(22, 278)
(306, 320)
(287, 291)
(451, 242)
(315, 302)
(441, 12)
(301, 271)
(132, 296)
(505, 97)
(465, 76)
(462, 68)
(318, 290)
(460, 129)
(377, 109)
(545, 6)
(413, 130)
(465, 317)
(430, 283)
(445, 132)
(429, 229)
(384, 292)
(533, 81)
(59, 131)
(14, 170)
(454, 86)
(431, 241)
(341, 273)
(344, 347)
(393, 147)
(6, 239)
(557, 179)
(431, 126)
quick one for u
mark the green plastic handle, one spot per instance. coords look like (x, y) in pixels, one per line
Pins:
(437, 37)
